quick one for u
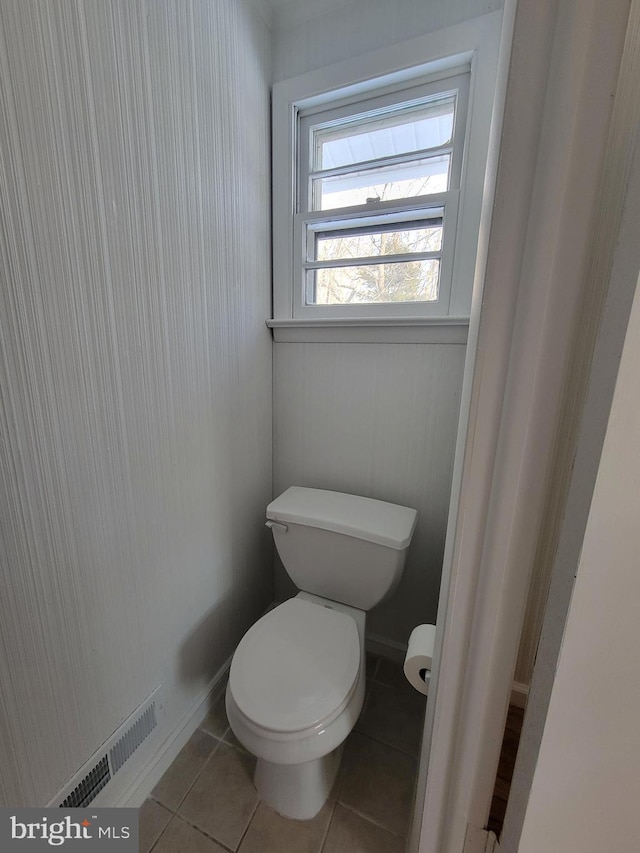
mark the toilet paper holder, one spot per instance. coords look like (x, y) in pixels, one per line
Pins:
(419, 657)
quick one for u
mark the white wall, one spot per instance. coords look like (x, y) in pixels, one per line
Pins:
(585, 787)
(135, 367)
(310, 34)
(377, 420)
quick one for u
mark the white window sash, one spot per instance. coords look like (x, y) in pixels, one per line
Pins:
(456, 85)
(383, 212)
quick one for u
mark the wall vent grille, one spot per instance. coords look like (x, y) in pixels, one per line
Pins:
(112, 755)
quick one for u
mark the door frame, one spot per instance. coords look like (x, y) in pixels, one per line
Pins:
(558, 71)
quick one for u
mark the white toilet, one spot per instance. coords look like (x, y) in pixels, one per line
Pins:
(297, 678)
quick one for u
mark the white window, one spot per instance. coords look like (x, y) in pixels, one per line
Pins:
(377, 183)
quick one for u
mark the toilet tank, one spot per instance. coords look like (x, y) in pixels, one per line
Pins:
(343, 547)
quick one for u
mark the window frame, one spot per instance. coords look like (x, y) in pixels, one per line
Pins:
(455, 82)
(471, 45)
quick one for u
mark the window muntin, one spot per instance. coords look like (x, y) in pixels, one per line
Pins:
(404, 130)
(382, 240)
(382, 183)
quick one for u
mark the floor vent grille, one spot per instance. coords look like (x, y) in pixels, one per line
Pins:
(89, 787)
(132, 739)
(112, 755)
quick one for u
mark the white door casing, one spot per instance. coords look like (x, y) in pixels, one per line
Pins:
(563, 73)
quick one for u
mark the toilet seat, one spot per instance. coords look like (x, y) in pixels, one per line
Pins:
(296, 667)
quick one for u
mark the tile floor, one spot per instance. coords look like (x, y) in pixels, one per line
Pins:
(206, 802)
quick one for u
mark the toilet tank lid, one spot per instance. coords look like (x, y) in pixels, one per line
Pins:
(375, 521)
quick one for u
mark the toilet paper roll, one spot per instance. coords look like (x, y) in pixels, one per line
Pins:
(417, 663)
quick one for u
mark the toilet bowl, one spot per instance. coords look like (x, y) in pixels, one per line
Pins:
(295, 690)
(297, 679)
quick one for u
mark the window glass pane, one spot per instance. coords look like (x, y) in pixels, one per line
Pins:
(383, 240)
(404, 180)
(416, 281)
(361, 139)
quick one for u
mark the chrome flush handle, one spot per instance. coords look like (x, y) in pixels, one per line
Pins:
(282, 527)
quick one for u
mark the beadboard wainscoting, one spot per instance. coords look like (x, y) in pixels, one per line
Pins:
(377, 420)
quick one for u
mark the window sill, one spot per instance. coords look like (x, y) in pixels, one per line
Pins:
(402, 330)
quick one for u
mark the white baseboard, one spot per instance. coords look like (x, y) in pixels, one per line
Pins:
(385, 648)
(151, 772)
(396, 652)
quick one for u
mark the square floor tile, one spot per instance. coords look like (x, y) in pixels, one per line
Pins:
(152, 819)
(391, 673)
(175, 783)
(179, 837)
(223, 799)
(394, 716)
(378, 782)
(269, 832)
(350, 833)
